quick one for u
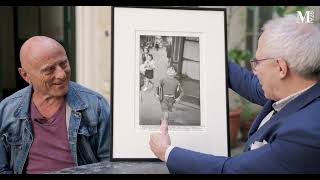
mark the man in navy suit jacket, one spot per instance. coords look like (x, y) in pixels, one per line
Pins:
(285, 137)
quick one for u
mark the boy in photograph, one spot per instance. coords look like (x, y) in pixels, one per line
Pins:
(169, 92)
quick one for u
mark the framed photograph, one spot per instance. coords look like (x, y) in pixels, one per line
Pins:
(169, 63)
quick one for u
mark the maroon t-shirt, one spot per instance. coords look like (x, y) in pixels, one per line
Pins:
(50, 149)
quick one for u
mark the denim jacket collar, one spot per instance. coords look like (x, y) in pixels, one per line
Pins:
(74, 100)
(22, 110)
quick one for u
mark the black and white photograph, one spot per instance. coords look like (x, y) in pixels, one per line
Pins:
(169, 68)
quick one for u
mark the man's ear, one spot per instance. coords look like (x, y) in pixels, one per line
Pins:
(283, 68)
(24, 75)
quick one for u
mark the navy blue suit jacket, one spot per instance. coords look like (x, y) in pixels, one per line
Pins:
(293, 136)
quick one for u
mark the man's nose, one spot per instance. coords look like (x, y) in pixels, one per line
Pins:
(60, 73)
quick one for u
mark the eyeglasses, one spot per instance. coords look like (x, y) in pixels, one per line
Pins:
(254, 62)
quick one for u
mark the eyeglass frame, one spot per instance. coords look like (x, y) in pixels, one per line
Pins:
(254, 62)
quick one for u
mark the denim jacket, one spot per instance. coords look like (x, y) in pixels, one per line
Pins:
(88, 128)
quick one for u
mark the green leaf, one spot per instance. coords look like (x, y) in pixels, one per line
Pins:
(279, 10)
(237, 55)
(301, 8)
(293, 9)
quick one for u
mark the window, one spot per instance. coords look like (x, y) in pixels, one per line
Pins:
(256, 17)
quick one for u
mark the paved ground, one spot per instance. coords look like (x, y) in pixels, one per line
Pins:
(183, 113)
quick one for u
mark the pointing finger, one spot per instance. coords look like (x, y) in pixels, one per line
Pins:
(164, 127)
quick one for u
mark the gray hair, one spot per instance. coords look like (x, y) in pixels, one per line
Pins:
(296, 42)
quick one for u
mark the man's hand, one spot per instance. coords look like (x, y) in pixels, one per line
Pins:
(159, 142)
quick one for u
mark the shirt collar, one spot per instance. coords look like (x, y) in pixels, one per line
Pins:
(277, 106)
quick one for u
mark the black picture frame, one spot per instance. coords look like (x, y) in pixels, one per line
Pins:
(122, 104)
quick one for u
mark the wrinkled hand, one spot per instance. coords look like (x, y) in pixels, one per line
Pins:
(159, 142)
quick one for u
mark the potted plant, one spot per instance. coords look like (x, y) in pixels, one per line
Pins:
(239, 56)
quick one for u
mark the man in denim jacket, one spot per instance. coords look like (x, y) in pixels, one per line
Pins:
(53, 123)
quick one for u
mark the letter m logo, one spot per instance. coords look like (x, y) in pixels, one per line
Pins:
(306, 18)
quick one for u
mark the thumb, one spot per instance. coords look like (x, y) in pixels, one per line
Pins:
(164, 127)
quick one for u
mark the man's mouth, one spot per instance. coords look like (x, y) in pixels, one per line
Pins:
(59, 83)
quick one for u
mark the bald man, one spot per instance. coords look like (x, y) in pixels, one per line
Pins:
(53, 123)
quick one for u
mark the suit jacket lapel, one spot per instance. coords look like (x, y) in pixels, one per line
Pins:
(264, 112)
(292, 107)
